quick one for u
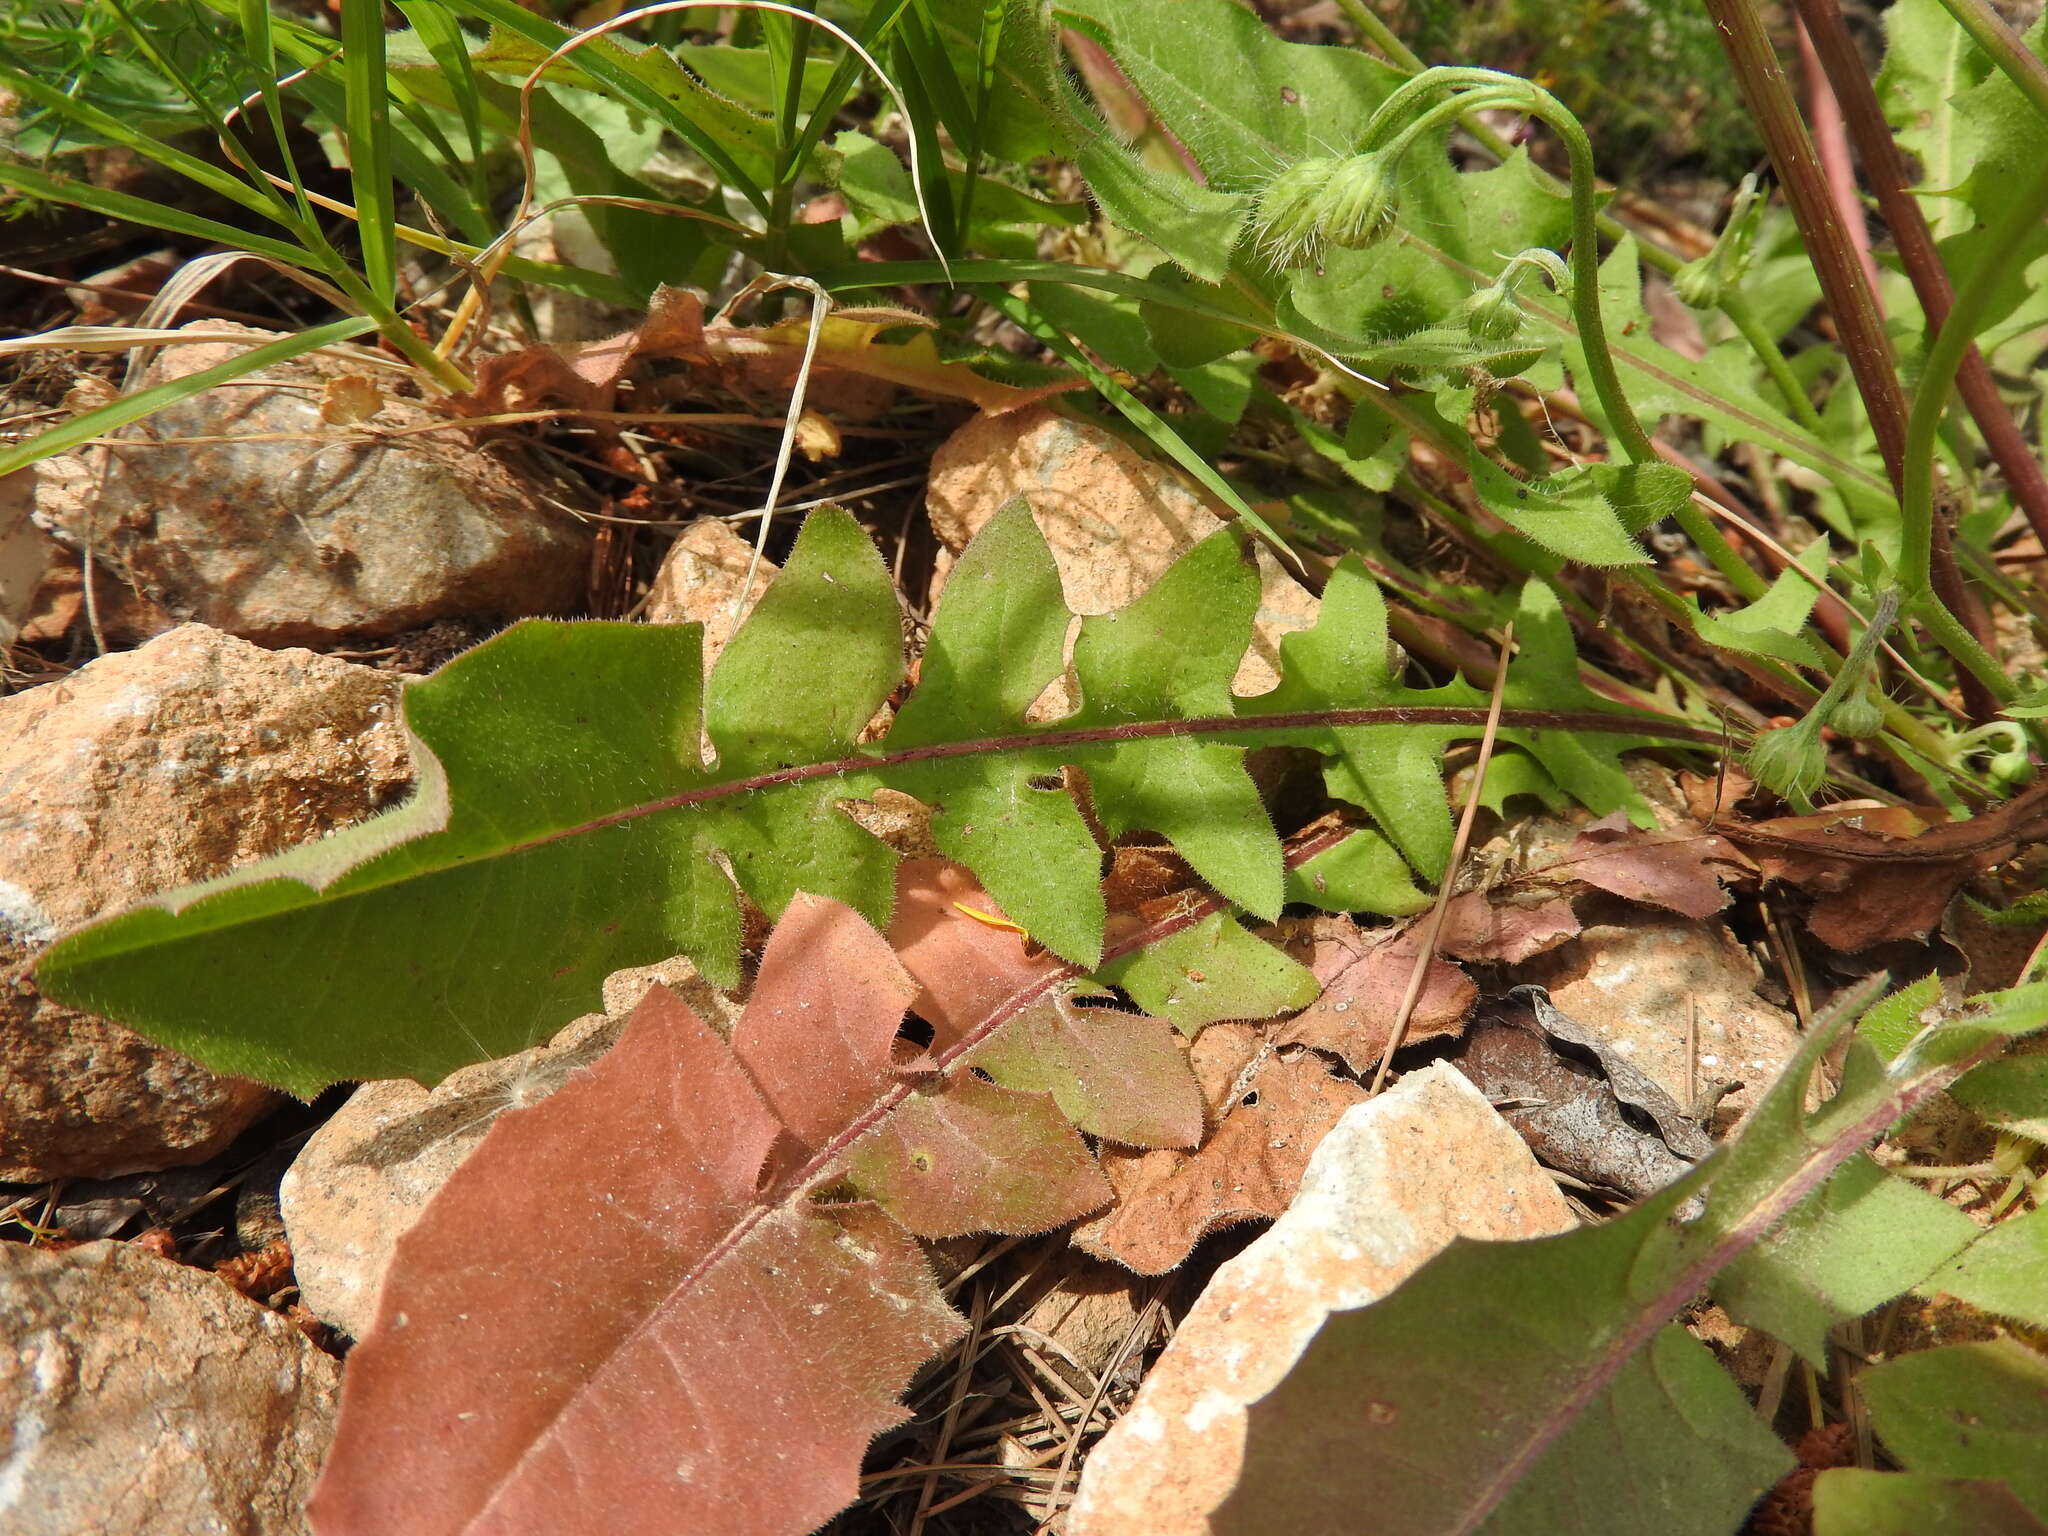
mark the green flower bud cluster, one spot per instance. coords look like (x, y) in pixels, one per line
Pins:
(1792, 761)
(1325, 201)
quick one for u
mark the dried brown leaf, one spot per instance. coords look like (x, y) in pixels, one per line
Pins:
(1681, 871)
(1269, 1110)
(1484, 926)
(1364, 974)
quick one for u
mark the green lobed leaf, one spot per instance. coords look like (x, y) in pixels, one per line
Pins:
(1891, 1025)
(2012, 1094)
(566, 823)
(1848, 1501)
(1363, 873)
(2004, 1272)
(1966, 1411)
(1212, 971)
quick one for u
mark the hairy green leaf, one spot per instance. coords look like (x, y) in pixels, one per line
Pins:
(1848, 1501)
(2005, 1271)
(1966, 1410)
(1862, 1239)
(568, 824)
(1501, 1385)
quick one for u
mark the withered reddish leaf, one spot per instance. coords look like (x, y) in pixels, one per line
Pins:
(1121, 1076)
(717, 1354)
(1115, 1075)
(816, 1034)
(963, 966)
(1483, 926)
(1680, 871)
(586, 375)
(970, 1156)
(1887, 871)
(1364, 975)
(1268, 1111)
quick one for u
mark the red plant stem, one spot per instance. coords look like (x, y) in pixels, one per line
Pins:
(1612, 722)
(1847, 293)
(1831, 141)
(1885, 170)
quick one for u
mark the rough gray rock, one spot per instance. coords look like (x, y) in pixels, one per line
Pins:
(321, 524)
(143, 771)
(141, 1398)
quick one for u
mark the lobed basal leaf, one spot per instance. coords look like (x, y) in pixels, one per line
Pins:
(568, 824)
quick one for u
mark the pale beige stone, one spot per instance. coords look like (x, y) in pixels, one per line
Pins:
(143, 771)
(1387, 1189)
(699, 578)
(142, 1398)
(1115, 521)
(1645, 979)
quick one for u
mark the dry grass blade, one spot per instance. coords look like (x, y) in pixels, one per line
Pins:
(1433, 925)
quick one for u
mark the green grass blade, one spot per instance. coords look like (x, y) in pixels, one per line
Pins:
(449, 50)
(129, 408)
(593, 61)
(259, 42)
(1157, 431)
(881, 20)
(68, 190)
(369, 141)
(211, 177)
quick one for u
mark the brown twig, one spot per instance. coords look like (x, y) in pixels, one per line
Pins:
(1433, 925)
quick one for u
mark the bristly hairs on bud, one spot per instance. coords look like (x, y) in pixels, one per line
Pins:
(1324, 201)
(1493, 313)
(1702, 284)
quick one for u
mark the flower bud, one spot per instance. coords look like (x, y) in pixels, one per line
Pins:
(1491, 313)
(1860, 715)
(2011, 769)
(1790, 762)
(1362, 202)
(1324, 201)
(1700, 284)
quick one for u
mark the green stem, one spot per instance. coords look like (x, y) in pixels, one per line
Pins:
(1961, 644)
(2008, 50)
(1765, 346)
(1585, 253)
(2020, 220)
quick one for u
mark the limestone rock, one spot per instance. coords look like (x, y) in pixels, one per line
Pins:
(1642, 980)
(1115, 519)
(319, 526)
(366, 1175)
(146, 770)
(139, 1398)
(699, 577)
(1387, 1189)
